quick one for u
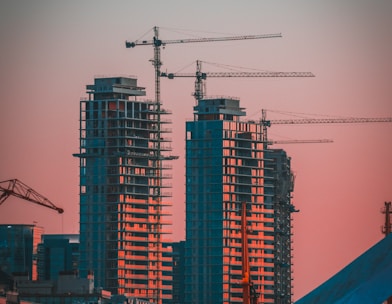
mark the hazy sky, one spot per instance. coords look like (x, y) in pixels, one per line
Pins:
(50, 50)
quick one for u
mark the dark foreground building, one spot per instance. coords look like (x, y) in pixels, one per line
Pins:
(18, 249)
(57, 253)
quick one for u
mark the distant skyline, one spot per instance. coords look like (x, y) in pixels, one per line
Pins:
(52, 49)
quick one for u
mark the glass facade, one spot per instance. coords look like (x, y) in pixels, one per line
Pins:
(123, 189)
(57, 253)
(178, 282)
(18, 249)
(225, 166)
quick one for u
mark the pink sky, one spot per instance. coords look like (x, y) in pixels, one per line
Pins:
(51, 49)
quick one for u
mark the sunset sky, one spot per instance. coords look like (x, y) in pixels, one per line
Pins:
(50, 50)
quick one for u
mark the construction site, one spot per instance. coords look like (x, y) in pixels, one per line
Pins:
(239, 209)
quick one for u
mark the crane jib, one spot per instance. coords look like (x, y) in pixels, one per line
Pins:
(329, 120)
(18, 189)
(157, 42)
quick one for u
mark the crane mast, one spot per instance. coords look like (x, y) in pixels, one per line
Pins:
(157, 63)
(387, 210)
(18, 189)
(387, 228)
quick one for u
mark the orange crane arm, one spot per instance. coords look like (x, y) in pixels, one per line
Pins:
(18, 189)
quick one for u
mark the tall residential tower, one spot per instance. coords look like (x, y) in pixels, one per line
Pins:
(123, 190)
(226, 165)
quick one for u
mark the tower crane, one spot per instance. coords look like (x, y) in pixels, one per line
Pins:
(267, 123)
(18, 189)
(157, 43)
(202, 76)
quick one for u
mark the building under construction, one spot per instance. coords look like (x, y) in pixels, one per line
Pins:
(123, 190)
(228, 163)
(279, 184)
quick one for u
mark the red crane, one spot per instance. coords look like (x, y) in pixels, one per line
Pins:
(18, 189)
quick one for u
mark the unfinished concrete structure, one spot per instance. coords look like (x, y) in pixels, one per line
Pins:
(227, 164)
(123, 190)
(278, 187)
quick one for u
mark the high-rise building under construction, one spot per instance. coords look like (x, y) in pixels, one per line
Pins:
(278, 186)
(123, 190)
(226, 164)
